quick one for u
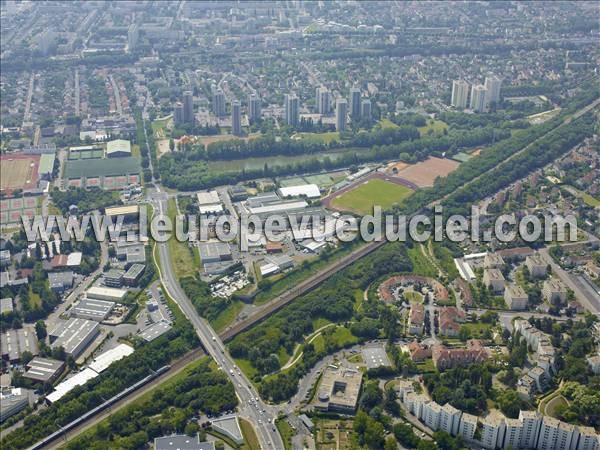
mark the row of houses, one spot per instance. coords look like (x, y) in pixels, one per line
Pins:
(530, 430)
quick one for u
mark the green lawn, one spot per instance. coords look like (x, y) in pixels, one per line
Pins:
(250, 439)
(421, 265)
(437, 126)
(185, 260)
(286, 432)
(387, 123)
(554, 403)
(320, 138)
(227, 316)
(373, 192)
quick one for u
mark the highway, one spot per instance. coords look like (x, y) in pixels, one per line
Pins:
(251, 407)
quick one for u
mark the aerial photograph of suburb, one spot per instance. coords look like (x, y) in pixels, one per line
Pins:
(300, 224)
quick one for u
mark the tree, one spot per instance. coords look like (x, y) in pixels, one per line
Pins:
(445, 441)
(390, 444)
(191, 428)
(171, 144)
(26, 356)
(40, 330)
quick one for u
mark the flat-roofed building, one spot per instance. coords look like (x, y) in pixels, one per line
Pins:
(515, 297)
(63, 388)
(214, 251)
(104, 360)
(303, 190)
(548, 433)
(493, 261)
(6, 305)
(133, 274)
(15, 342)
(106, 293)
(339, 390)
(92, 309)
(492, 430)
(554, 291)
(467, 427)
(44, 370)
(537, 265)
(512, 434)
(532, 421)
(432, 412)
(155, 330)
(127, 211)
(494, 280)
(60, 281)
(74, 335)
(450, 419)
(589, 439)
(113, 278)
(12, 401)
(209, 202)
(182, 442)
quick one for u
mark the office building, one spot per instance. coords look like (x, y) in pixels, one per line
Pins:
(323, 101)
(460, 93)
(492, 84)
(339, 390)
(133, 274)
(236, 118)
(74, 335)
(44, 370)
(60, 281)
(355, 102)
(292, 110)
(341, 113)
(493, 261)
(254, 108)
(188, 107)
(365, 109)
(478, 94)
(113, 278)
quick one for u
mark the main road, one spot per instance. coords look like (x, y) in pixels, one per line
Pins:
(251, 407)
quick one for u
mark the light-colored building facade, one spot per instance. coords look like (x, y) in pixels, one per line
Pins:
(460, 94)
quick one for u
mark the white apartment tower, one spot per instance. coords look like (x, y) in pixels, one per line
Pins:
(493, 85)
(478, 96)
(460, 93)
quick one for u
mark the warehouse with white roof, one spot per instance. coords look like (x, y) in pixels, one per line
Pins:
(302, 190)
(106, 293)
(74, 335)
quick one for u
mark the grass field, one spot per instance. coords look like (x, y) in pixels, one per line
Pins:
(554, 403)
(374, 192)
(387, 123)
(421, 265)
(17, 173)
(335, 435)
(185, 260)
(227, 316)
(324, 138)
(286, 432)
(436, 126)
(250, 439)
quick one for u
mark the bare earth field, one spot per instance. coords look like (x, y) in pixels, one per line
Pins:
(18, 172)
(424, 173)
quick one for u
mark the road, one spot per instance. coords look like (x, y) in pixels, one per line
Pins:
(251, 407)
(176, 367)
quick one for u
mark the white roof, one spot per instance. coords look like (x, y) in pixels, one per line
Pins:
(278, 207)
(95, 291)
(212, 208)
(313, 245)
(118, 145)
(268, 269)
(309, 190)
(74, 259)
(208, 198)
(76, 380)
(104, 360)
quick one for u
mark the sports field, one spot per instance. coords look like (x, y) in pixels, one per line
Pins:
(18, 171)
(373, 192)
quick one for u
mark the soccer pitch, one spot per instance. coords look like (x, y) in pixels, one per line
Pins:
(373, 192)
